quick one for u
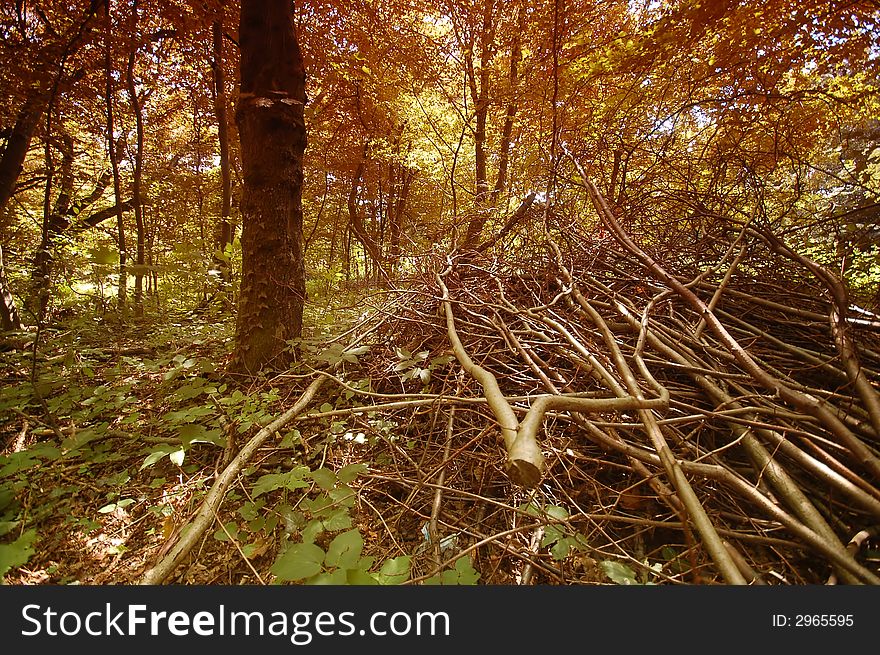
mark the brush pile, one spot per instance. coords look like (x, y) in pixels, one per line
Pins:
(706, 418)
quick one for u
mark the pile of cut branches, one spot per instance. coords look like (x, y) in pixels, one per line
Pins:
(576, 409)
(585, 410)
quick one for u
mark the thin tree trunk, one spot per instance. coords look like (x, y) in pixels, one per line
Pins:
(510, 115)
(480, 95)
(273, 140)
(356, 223)
(138, 169)
(397, 216)
(18, 144)
(109, 92)
(224, 230)
(56, 221)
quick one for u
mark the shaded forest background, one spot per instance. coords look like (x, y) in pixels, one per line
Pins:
(656, 222)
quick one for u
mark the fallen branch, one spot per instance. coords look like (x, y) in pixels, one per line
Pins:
(204, 518)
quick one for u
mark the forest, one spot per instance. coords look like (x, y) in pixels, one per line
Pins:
(480, 292)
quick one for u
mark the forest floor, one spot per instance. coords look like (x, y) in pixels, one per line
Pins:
(395, 471)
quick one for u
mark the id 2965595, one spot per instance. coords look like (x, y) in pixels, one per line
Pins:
(813, 620)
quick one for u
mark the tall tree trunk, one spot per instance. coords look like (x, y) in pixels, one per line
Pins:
(404, 178)
(273, 140)
(224, 230)
(510, 115)
(18, 144)
(480, 95)
(55, 223)
(109, 92)
(138, 169)
(371, 249)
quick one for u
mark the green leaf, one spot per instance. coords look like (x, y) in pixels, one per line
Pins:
(231, 528)
(562, 548)
(249, 550)
(462, 574)
(293, 479)
(552, 534)
(158, 453)
(348, 473)
(556, 512)
(337, 577)
(619, 572)
(250, 511)
(311, 531)
(345, 550)
(466, 572)
(198, 433)
(325, 478)
(106, 509)
(394, 571)
(18, 552)
(338, 519)
(342, 495)
(359, 576)
(298, 562)
(290, 439)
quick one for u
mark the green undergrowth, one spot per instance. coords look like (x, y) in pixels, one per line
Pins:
(114, 437)
(115, 443)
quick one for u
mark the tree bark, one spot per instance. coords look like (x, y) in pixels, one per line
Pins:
(480, 95)
(18, 144)
(225, 228)
(510, 115)
(138, 168)
(54, 224)
(273, 140)
(122, 297)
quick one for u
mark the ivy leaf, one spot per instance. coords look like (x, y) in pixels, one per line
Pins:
(293, 479)
(348, 473)
(325, 478)
(359, 576)
(619, 572)
(394, 571)
(345, 550)
(298, 562)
